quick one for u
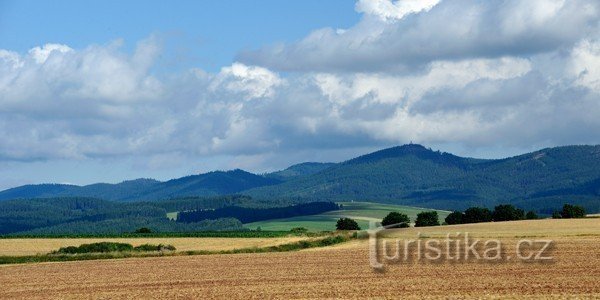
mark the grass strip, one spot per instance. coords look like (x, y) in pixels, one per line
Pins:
(223, 234)
(295, 246)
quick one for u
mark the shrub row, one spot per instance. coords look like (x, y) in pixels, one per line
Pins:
(107, 247)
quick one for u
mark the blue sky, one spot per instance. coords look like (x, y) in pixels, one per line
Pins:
(104, 91)
(205, 34)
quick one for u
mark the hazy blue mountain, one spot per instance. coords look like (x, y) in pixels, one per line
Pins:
(411, 175)
(299, 170)
(37, 191)
(209, 184)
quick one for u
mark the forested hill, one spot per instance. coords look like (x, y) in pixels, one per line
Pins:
(414, 175)
(408, 175)
(299, 170)
(209, 184)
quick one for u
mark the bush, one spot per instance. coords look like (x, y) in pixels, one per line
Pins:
(143, 230)
(454, 218)
(347, 224)
(102, 247)
(556, 215)
(477, 215)
(395, 220)
(507, 212)
(299, 230)
(531, 215)
(150, 247)
(572, 211)
(427, 218)
(105, 247)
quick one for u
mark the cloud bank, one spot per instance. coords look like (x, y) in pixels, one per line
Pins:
(473, 74)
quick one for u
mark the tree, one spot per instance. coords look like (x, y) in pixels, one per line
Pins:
(531, 215)
(395, 220)
(347, 224)
(143, 230)
(427, 218)
(572, 211)
(507, 212)
(556, 215)
(299, 230)
(477, 215)
(454, 218)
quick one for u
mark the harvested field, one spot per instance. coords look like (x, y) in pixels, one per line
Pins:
(22, 247)
(340, 271)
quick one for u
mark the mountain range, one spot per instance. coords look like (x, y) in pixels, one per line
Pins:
(410, 175)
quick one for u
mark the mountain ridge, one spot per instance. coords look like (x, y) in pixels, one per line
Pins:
(408, 175)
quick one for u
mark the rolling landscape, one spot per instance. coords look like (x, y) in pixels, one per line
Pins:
(401, 177)
(300, 149)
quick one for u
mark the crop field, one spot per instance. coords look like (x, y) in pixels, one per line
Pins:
(24, 246)
(339, 271)
(362, 212)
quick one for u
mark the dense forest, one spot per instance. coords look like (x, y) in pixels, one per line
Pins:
(89, 215)
(248, 215)
(209, 184)
(414, 175)
(406, 175)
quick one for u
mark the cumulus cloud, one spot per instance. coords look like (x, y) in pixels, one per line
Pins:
(425, 32)
(254, 82)
(521, 81)
(389, 10)
(41, 54)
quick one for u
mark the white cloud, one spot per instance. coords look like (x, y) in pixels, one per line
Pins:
(41, 54)
(254, 82)
(100, 101)
(585, 64)
(448, 30)
(394, 10)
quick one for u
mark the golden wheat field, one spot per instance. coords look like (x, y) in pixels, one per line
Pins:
(342, 271)
(22, 247)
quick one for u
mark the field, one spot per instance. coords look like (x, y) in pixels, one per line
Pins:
(340, 271)
(362, 212)
(23, 247)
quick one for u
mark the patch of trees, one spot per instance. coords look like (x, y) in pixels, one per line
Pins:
(507, 212)
(248, 215)
(503, 212)
(347, 224)
(427, 218)
(396, 220)
(106, 247)
(569, 211)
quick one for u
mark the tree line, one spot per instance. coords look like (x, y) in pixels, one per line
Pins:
(249, 215)
(507, 212)
(503, 212)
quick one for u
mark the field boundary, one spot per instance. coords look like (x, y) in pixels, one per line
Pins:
(199, 234)
(294, 246)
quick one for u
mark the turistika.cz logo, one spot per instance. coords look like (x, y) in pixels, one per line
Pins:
(454, 247)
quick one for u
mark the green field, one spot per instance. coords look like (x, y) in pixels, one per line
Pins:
(172, 215)
(362, 212)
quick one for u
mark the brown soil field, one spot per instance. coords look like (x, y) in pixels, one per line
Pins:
(342, 271)
(22, 247)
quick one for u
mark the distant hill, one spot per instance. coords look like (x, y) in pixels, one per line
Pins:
(209, 184)
(77, 215)
(405, 175)
(414, 175)
(299, 170)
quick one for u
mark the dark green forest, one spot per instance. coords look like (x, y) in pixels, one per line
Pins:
(541, 181)
(414, 175)
(89, 215)
(249, 215)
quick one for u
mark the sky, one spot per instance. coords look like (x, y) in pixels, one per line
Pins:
(104, 91)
